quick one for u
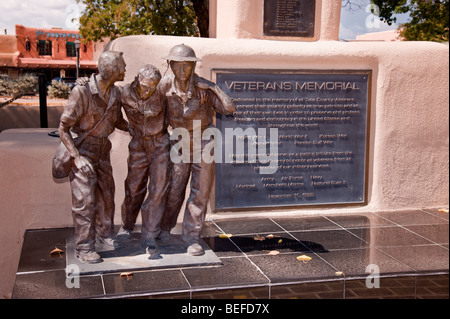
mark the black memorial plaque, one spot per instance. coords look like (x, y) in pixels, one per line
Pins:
(289, 18)
(321, 122)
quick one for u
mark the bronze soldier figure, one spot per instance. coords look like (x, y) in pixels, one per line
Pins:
(92, 112)
(190, 98)
(148, 157)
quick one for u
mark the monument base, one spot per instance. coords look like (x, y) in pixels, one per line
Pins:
(128, 257)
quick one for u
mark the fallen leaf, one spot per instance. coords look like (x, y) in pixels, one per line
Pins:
(280, 241)
(274, 253)
(339, 273)
(56, 252)
(225, 235)
(260, 238)
(444, 210)
(127, 275)
(271, 236)
(304, 258)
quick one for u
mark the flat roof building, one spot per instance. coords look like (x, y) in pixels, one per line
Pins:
(49, 51)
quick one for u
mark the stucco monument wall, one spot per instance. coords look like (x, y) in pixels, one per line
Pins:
(408, 129)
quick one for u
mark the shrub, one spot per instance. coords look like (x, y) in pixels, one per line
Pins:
(27, 84)
(59, 89)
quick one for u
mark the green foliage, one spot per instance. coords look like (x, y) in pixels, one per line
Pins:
(58, 89)
(115, 18)
(429, 18)
(27, 84)
(4, 84)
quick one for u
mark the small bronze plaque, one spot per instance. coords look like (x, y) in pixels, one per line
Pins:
(289, 18)
(296, 139)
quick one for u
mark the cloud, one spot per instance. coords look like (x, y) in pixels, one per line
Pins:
(38, 14)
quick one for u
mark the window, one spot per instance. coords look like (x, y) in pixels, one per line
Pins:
(45, 47)
(70, 49)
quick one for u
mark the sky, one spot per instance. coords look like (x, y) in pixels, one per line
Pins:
(59, 13)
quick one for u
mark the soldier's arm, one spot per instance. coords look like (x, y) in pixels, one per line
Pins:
(223, 104)
(71, 115)
(121, 123)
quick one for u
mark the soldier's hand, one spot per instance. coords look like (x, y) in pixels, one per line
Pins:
(83, 164)
(81, 81)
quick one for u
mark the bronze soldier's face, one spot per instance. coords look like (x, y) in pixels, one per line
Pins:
(146, 87)
(121, 68)
(182, 70)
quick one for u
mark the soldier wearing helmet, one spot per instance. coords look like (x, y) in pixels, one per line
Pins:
(190, 98)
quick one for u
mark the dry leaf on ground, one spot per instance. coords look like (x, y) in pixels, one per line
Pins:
(56, 252)
(127, 275)
(304, 258)
(274, 253)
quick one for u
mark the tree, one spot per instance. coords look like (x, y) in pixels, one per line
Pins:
(352, 5)
(27, 84)
(429, 18)
(115, 18)
(201, 8)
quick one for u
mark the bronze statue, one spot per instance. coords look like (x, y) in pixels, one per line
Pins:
(190, 98)
(92, 113)
(148, 157)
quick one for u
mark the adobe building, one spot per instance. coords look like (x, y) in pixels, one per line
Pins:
(401, 90)
(48, 51)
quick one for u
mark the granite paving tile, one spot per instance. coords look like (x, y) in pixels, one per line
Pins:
(359, 220)
(422, 258)
(438, 212)
(362, 262)
(52, 285)
(37, 246)
(263, 243)
(248, 226)
(306, 223)
(389, 236)
(416, 217)
(145, 282)
(223, 247)
(236, 271)
(325, 240)
(287, 268)
(438, 234)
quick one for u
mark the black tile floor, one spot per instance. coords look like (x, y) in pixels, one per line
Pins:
(406, 253)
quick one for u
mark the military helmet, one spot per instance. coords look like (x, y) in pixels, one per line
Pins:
(181, 53)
